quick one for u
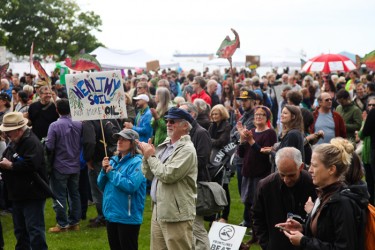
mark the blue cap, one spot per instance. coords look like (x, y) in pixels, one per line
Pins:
(178, 114)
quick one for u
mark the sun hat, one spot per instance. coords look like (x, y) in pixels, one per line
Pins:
(13, 121)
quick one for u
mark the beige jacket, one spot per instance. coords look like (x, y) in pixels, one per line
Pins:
(176, 191)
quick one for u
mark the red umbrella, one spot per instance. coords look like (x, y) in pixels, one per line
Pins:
(327, 63)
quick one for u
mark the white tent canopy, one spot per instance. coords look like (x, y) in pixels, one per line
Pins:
(129, 59)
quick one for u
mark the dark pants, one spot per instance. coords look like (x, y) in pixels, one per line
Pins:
(84, 190)
(225, 213)
(97, 194)
(239, 177)
(29, 227)
(122, 236)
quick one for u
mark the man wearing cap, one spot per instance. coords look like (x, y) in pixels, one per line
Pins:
(203, 145)
(64, 139)
(142, 123)
(24, 173)
(172, 167)
(42, 113)
(247, 98)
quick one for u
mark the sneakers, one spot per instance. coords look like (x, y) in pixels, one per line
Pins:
(60, 229)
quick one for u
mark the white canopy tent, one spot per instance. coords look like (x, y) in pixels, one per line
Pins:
(127, 59)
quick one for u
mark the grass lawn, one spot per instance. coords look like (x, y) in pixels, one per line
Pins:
(96, 238)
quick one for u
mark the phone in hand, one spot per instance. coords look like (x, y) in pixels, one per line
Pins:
(283, 229)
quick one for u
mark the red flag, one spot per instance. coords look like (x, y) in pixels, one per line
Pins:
(228, 46)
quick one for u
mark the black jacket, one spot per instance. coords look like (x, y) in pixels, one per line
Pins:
(341, 223)
(220, 135)
(28, 160)
(273, 201)
(202, 143)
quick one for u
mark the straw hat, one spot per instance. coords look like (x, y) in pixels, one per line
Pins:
(13, 121)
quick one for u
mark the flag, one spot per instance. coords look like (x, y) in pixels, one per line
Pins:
(63, 71)
(228, 46)
(42, 73)
(83, 62)
(369, 60)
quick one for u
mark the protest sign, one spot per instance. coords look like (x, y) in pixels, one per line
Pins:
(96, 95)
(153, 65)
(225, 236)
(252, 62)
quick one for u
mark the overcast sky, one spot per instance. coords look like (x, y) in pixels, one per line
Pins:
(264, 26)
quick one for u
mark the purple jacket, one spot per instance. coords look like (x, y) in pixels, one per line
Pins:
(64, 137)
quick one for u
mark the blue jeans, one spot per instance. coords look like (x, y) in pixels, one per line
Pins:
(97, 194)
(29, 227)
(66, 186)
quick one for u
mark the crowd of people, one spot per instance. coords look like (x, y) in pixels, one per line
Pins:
(304, 148)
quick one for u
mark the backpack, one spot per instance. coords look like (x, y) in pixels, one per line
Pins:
(211, 198)
(370, 228)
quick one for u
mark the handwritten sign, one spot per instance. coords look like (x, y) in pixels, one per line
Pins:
(96, 95)
(224, 236)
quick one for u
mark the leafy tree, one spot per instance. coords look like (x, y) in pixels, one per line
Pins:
(57, 27)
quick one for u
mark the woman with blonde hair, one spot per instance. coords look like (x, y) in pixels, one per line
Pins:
(219, 131)
(163, 100)
(338, 218)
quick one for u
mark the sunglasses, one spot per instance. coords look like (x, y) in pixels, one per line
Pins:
(371, 105)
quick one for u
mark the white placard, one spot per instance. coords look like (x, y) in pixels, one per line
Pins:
(224, 236)
(96, 95)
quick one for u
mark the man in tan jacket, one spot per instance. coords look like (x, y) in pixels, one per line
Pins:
(173, 169)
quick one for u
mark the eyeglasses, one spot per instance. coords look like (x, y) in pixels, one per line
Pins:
(328, 100)
(260, 115)
(371, 105)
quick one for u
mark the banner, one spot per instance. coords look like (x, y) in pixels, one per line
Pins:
(96, 95)
(225, 236)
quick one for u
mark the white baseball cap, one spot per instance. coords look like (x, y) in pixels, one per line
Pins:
(142, 97)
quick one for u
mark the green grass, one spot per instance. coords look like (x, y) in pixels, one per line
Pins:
(96, 238)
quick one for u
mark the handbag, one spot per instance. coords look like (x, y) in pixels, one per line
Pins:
(211, 198)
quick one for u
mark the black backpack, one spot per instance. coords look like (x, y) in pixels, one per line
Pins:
(110, 127)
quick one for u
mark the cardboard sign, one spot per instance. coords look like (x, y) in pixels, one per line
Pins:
(252, 62)
(225, 236)
(96, 95)
(153, 65)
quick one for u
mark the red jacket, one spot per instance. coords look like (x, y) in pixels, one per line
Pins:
(340, 129)
(202, 95)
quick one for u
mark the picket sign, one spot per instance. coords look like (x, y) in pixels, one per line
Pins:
(96, 96)
(225, 236)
